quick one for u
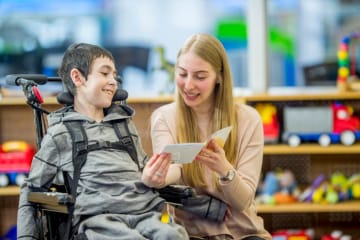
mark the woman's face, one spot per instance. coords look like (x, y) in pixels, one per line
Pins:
(195, 80)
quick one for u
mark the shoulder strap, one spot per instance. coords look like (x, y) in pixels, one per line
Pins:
(122, 131)
(79, 153)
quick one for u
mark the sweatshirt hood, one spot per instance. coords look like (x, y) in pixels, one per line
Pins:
(114, 112)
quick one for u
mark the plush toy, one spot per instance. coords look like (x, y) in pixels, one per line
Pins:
(339, 183)
(337, 189)
(354, 186)
(279, 187)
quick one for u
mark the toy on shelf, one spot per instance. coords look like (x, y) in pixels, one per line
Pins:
(293, 234)
(354, 186)
(337, 188)
(334, 123)
(15, 162)
(10, 234)
(270, 122)
(336, 235)
(278, 188)
(348, 77)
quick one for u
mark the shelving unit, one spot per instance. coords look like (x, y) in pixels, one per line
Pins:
(307, 161)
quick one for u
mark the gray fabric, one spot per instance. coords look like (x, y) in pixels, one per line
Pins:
(130, 227)
(109, 180)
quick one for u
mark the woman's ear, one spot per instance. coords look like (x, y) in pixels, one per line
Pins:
(76, 77)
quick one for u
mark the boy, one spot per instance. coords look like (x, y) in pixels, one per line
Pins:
(112, 202)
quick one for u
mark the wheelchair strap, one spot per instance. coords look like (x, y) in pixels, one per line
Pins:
(79, 153)
(81, 148)
(123, 133)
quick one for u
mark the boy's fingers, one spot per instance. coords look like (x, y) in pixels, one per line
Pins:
(152, 160)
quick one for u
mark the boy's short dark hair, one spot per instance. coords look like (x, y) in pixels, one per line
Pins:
(80, 56)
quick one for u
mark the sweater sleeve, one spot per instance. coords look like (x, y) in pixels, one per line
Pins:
(43, 170)
(163, 133)
(240, 192)
(163, 127)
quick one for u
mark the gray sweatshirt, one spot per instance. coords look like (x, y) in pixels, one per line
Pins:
(110, 181)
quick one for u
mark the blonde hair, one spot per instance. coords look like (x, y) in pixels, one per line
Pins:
(212, 51)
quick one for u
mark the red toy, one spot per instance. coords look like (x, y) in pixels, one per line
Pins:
(293, 234)
(270, 122)
(15, 162)
(334, 123)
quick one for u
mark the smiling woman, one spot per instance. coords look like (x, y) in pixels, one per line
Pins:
(203, 104)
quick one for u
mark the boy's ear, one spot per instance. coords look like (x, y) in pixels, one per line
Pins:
(76, 76)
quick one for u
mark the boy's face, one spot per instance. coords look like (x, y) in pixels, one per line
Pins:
(101, 85)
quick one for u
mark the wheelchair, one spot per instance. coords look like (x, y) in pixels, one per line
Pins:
(54, 207)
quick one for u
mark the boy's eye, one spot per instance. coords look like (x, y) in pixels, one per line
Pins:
(105, 73)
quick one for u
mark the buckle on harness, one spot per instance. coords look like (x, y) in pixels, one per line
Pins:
(126, 140)
(81, 148)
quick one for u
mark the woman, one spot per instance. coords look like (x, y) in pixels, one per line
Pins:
(203, 104)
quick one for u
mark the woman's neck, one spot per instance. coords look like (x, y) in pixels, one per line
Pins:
(204, 121)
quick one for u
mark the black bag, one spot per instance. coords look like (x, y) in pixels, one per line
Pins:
(185, 198)
(205, 206)
(176, 194)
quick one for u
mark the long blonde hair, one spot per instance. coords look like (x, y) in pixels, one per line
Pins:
(211, 50)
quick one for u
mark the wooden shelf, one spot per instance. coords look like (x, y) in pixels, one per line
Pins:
(9, 191)
(348, 206)
(303, 96)
(278, 149)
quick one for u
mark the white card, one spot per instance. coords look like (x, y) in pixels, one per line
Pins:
(186, 152)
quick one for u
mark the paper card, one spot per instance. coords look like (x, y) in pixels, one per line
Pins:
(186, 152)
(221, 134)
(183, 152)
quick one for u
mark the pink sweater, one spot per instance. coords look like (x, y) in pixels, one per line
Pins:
(239, 194)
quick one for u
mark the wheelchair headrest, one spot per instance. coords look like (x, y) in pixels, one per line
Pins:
(66, 98)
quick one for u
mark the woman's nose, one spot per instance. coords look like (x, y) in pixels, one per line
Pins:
(189, 83)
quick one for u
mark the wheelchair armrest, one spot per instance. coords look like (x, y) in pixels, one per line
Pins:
(52, 201)
(176, 194)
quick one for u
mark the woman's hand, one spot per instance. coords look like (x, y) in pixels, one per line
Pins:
(213, 156)
(155, 171)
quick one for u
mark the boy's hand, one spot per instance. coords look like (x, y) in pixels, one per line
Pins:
(155, 171)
